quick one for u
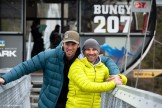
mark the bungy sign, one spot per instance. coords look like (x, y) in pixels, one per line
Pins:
(118, 14)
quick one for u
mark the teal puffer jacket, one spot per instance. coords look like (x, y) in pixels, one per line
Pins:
(51, 62)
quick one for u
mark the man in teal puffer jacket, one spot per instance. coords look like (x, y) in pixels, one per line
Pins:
(55, 64)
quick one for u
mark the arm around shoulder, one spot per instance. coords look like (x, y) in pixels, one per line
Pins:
(111, 65)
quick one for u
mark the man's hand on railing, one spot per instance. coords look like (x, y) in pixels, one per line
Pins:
(118, 81)
(2, 81)
(113, 77)
(116, 78)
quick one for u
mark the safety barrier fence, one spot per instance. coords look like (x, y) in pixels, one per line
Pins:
(16, 94)
(128, 97)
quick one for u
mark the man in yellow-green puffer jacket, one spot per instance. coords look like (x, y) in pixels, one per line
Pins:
(87, 78)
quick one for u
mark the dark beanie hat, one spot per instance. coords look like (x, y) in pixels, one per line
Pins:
(91, 43)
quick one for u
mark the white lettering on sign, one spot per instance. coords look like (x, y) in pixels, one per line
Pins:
(6, 53)
(112, 23)
(112, 9)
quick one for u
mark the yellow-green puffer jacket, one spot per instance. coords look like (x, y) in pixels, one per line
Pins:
(85, 84)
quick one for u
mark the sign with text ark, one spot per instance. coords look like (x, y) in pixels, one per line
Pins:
(11, 50)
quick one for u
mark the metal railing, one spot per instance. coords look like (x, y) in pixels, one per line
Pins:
(16, 94)
(128, 97)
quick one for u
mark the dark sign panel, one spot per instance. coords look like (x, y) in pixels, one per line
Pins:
(11, 51)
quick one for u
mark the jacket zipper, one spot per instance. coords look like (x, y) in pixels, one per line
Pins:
(94, 81)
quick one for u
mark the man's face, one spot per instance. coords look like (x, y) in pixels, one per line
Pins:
(91, 54)
(70, 49)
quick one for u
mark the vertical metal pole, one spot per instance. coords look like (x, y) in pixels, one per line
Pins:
(143, 44)
(23, 26)
(0, 15)
(62, 15)
(79, 16)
